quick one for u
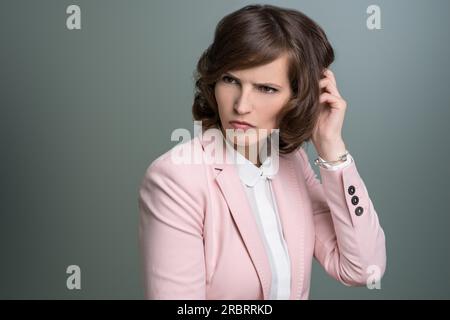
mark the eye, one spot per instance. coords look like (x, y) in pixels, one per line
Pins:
(227, 79)
(268, 89)
(264, 89)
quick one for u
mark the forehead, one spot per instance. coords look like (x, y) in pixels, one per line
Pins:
(275, 71)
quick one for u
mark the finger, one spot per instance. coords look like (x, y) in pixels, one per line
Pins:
(329, 74)
(332, 100)
(329, 85)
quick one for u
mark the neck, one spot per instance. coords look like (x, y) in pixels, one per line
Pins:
(250, 152)
(245, 151)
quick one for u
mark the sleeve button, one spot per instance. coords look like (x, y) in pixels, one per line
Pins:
(351, 190)
(355, 200)
(359, 211)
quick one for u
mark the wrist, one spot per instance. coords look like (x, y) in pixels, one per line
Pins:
(331, 151)
(343, 160)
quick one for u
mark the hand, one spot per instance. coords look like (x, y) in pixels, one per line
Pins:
(327, 133)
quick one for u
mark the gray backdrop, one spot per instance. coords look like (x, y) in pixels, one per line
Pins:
(84, 112)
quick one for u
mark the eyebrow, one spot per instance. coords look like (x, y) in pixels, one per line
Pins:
(257, 84)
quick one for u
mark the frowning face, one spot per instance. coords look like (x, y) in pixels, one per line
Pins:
(249, 100)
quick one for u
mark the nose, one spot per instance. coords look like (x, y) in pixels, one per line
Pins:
(243, 103)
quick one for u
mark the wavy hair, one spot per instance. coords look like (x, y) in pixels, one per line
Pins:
(256, 35)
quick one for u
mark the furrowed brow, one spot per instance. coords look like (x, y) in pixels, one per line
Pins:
(256, 84)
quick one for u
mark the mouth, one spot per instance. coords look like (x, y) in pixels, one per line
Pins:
(241, 125)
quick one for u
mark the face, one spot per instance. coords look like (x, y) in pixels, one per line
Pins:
(255, 96)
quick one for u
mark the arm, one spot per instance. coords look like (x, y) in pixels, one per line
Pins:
(347, 241)
(171, 233)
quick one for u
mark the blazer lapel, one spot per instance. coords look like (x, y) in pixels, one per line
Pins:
(290, 203)
(234, 193)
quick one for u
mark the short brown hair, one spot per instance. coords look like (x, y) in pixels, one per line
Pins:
(258, 34)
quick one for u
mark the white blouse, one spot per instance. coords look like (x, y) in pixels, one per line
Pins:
(257, 184)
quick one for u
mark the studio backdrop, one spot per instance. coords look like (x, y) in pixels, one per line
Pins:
(91, 92)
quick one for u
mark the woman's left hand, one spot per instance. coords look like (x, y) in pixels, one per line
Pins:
(327, 134)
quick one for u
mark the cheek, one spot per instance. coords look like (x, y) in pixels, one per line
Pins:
(223, 103)
(269, 111)
(223, 98)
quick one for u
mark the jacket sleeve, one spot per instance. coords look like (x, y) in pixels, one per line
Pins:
(349, 241)
(171, 233)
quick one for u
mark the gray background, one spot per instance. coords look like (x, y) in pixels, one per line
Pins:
(83, 113)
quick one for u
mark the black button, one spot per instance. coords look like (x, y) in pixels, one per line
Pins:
(351, 190)
(355, 200)
(359, 211)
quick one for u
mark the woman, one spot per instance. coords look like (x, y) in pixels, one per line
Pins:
(249, 229)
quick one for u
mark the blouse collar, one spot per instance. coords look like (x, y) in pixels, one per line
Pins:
(249, 173)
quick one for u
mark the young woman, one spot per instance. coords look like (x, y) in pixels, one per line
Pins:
(249, 229)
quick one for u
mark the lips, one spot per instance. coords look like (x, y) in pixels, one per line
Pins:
(241, 125)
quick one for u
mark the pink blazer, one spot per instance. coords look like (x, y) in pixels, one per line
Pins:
(199, 240)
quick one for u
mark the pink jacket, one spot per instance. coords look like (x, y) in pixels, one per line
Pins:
(199, 240)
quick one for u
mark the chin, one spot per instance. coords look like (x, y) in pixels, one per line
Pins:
(245, 141)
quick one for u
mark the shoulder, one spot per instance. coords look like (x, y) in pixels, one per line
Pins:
(299, 157)
(301, 154)
(173, 193)
(177, 168)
